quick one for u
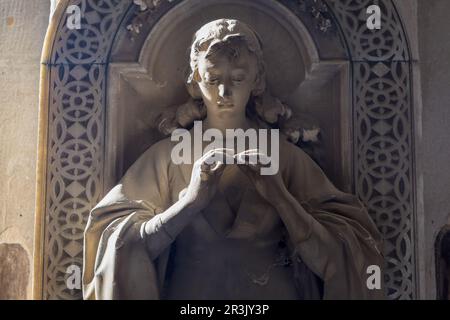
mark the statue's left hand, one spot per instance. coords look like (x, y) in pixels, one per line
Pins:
(270, 187)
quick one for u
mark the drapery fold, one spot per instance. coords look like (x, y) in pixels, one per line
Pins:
(118, 265)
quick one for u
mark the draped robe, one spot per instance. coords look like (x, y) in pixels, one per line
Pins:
(117, 259)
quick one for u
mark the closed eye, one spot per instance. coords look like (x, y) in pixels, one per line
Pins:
(212, 81)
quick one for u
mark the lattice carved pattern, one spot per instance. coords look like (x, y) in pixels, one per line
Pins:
(383, 145)
(76, 137)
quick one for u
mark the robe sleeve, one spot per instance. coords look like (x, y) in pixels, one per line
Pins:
(343, 240)
(117, 264)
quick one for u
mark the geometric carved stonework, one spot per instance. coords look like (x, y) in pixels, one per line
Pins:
(76, 62)
(383, 136)
(384, 174)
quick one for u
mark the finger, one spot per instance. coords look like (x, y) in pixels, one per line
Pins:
(250, 151)
(249, 160)
(206, 155)
(254, 157)
(241, 158)
(216, 165)
(210, 156)
(205, 167)
(211, 152)
(219, 155)
(218, 168)
(261, 155)
(228, 156)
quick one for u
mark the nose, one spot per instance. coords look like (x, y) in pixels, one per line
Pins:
(224, 91)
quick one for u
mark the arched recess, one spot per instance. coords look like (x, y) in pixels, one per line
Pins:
(73, 121)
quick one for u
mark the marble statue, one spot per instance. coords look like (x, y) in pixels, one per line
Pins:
(210, 230)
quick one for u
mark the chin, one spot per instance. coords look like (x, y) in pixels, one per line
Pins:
(226, 109)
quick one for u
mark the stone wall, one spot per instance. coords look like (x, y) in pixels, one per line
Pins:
(434, 140)
(23, 24)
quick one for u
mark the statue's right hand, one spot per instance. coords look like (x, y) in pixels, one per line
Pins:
(205, 176)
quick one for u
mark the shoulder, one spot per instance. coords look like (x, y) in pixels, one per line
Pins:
(161, 146)
(291, 153)
(159, 151)
(297, 164)
(155, 159)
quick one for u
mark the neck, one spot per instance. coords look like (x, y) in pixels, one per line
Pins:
(223, 123)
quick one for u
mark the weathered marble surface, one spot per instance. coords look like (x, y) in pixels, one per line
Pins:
(23, 24)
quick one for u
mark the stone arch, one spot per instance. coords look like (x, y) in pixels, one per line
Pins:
(75, 66)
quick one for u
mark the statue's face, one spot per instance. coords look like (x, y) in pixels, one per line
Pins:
(226, 82)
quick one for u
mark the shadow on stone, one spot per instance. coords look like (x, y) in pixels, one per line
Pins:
(14, 271)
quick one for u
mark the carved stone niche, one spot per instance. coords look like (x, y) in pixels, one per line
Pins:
(102, 85)
(309, 84)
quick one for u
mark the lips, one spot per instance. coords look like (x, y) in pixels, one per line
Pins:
(225, 105)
